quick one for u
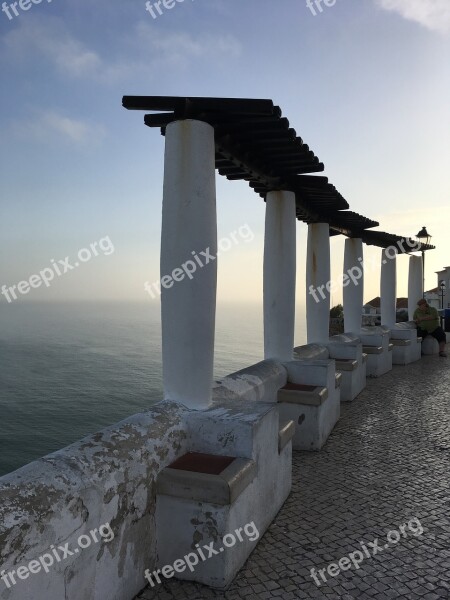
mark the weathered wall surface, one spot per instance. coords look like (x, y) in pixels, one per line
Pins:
(109, 478)
(258, 383)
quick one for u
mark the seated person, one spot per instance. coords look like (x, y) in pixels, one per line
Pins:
(427, 320)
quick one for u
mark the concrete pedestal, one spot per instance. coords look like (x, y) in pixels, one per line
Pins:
(407, 347)
(195, 509)
(208, 511)
(351, 362)
(377, 346)
(314, 403)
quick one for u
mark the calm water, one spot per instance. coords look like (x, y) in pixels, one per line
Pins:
(68, 370)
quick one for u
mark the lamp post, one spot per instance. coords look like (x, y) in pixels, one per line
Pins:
(424, 238)
(442, 292)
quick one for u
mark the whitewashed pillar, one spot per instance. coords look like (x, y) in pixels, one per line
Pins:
(318, 283)
(388, 287)
(279, 275)
(353, 285)
(188, 299)
(415, 284)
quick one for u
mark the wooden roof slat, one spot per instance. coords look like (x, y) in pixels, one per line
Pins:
(244, 136)
(187, 105)
(242, 128)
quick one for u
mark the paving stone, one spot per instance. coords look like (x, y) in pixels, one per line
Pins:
(385, 464)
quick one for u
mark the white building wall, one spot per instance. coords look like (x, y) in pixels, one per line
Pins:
(444, 274)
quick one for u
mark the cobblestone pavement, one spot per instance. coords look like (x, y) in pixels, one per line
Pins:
(386, 462)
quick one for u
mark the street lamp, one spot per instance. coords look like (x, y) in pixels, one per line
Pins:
(424, 237)
(442, 292)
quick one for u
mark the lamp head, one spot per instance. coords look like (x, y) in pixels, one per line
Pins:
(424, 236)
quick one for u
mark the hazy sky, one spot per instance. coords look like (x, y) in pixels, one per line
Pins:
(366, 83)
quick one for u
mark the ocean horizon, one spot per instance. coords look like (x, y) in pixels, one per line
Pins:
(69, 369)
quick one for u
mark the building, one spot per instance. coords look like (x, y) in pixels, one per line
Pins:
(443, 275)
(374, 306)
(433, 298)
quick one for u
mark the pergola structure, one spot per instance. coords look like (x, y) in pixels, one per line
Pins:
(255, 143)
(250, 140)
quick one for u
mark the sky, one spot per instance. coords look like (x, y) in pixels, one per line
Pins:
(365, 83)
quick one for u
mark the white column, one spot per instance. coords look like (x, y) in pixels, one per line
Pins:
(353, 285)
(188, 299)
(279, 275)
(415, 283)
(388, 287)
(318, 283)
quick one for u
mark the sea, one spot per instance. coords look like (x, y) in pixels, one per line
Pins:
(70, 369)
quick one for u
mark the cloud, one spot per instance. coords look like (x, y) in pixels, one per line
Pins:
(50, 40)
(432, 14)
(142, 53)
(48, 125)
(180, 48)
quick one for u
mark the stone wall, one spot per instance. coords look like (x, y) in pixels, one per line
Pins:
(109, 478)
